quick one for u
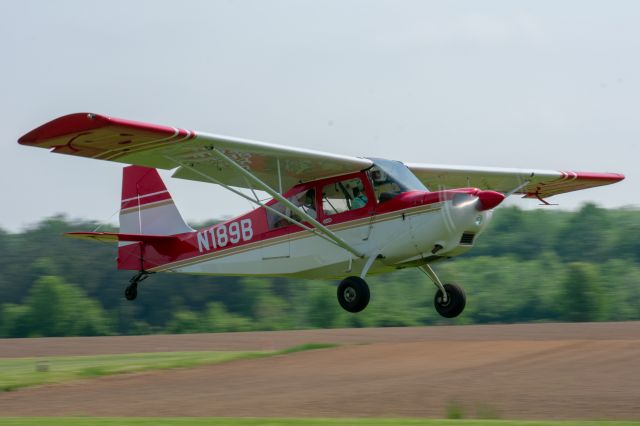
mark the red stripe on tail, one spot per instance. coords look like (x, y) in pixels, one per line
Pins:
(138, 182)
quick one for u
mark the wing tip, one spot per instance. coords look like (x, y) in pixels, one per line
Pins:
(53, 132)
(574, 181)
(595, 176)
(70, 123)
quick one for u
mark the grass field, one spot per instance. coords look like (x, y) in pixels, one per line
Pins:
(195, 421)
(18, 373)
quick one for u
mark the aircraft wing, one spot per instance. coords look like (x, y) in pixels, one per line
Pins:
(164, 147)
(534, 183)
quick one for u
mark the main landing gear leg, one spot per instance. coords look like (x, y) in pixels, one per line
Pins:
(131, 292)
(450, 299)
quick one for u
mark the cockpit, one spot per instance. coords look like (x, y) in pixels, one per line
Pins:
(345, 197)
(391, 178)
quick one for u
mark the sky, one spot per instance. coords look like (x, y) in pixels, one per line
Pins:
(530, 84)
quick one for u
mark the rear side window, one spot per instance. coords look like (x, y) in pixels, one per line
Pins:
(343, 196)
(304, 199)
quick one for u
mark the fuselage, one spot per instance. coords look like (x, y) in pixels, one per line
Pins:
(401, 228)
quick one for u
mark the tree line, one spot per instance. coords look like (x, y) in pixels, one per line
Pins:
(529, 266)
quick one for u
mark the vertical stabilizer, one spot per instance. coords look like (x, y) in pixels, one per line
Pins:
(147, 206)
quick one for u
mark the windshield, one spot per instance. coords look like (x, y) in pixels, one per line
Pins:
(390, 178)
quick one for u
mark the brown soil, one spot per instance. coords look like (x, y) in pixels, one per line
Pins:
(541, 371)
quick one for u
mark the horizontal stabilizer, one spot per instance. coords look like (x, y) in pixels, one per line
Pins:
(114, 237)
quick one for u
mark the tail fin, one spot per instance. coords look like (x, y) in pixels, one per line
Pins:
(147, 206)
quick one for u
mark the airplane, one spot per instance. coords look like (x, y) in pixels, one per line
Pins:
(329, 216)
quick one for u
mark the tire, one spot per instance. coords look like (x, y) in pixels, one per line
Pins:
(353, 294)
(131, 292)
(455, 303)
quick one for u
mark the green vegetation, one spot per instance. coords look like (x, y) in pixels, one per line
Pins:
(17, 373)
(21, 372)
(455, 410)
(306, 347)
(529, 266)
(200, 421)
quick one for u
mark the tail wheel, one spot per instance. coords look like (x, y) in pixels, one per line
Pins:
(131, 292)
(353, 294)
(455, 303)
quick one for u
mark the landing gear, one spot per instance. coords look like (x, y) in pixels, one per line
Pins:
(453, 304)
(131, 292)
(450, 299)
(353, 294)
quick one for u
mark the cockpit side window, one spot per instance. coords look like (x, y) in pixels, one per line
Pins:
(342, 196)
(304, 199)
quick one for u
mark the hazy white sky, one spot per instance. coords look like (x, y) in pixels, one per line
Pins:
(541, 84)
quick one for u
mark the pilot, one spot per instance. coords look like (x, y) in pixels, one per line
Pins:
(309, 203)
(306, 202)
(359, 199)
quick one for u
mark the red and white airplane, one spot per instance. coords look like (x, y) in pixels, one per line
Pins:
(329, 216)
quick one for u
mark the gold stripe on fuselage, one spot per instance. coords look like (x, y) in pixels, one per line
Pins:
(371, 220)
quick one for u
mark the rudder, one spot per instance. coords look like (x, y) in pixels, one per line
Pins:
(146, 205)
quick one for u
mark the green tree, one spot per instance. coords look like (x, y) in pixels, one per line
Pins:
(321, 307)
(55, 308)
(398, 300)
(622, 290)
(184, 322)
(581, 298)
(12, 320)
(516, 272)
(587, 237)
(216, 318)
(271, 312)
(626, 240)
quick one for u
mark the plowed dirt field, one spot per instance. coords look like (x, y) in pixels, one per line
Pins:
(540, 371)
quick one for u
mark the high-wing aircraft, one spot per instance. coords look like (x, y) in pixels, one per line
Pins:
(328, 216)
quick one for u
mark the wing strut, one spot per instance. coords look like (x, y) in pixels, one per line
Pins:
(318, 229)
(266, 188)
(517, 188)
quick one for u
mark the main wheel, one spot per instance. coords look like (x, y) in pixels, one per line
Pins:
(131, 292)
(353, 294)
(456, 300)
